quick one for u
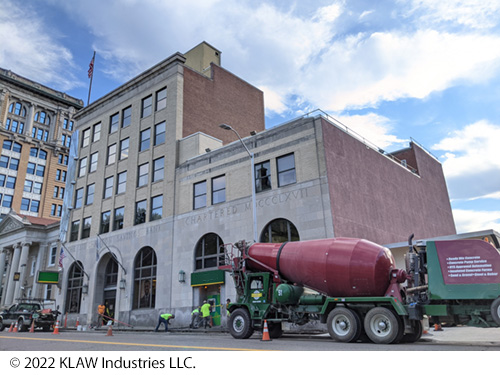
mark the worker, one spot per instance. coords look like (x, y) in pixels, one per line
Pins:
(195, 315)
(165, 319)
(205, 314)
(100, 312)
(228, 302)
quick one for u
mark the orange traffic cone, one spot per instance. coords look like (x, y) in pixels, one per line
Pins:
(77, 322)
(11, 328)
(265, 333)
(437, 327)
(56, 329)
(110, 331)
(32, 328)
(15, 328)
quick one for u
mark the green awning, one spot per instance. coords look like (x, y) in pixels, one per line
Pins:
(207, 278)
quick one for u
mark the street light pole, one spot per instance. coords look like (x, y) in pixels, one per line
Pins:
(252, 165)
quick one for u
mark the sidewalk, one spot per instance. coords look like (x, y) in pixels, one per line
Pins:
(464, 335)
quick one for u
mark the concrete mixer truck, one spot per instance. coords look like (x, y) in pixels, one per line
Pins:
(354, 287)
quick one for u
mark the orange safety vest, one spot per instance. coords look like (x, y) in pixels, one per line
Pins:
(100, 309)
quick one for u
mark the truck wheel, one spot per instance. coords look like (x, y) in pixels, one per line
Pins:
(417, 328)
(240, 324)
(495, 311)
(344, 325)
(381, 325)
(275, 330)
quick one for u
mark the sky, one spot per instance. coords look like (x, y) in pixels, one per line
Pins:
(392, 70)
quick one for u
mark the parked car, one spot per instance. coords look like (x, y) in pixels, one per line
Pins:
(25, 313)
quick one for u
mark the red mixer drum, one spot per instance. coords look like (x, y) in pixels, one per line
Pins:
(337, 267)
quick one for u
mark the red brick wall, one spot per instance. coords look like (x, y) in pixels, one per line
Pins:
(223, 99)
(375, 198)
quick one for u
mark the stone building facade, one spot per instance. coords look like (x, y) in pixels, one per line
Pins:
(36, 126)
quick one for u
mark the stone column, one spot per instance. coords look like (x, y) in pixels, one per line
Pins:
(14, 264)
(3, 255)
(22, 270)
(42, 253)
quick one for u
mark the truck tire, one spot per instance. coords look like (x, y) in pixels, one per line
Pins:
(240, 324)
(409, 338)
(275, 330)
(344, 325)
(495, 311)
(382, 325)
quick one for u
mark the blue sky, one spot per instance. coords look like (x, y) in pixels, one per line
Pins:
(391, 70)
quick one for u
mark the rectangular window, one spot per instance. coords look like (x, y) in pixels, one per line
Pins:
(90, 194)
(96, 132)
(11, 183)
(105, 217)
(118, 218)
(4, 161)
(14, 164)
(218, 189)
(82, 169)
(37, 187)
(140, 212)
(156, 207)
(146, 106)
(108, 187)
(40, 171)
(121, 182)
(28, 186)
(286, 170)
(78, 198)
(158, 169)
(93, 162)
(53, 210)
(86, 137)
(111, 154)
(2, 180)
(75, 228)
(25, 204)
(52, 256)
(126, 117)
(142, 178)
(161, 99)
(87, 223)
(159, 133)
(262, 176)
(200, 195)
(124, 148)
(144, 140)
(6, 201)
(113, 123)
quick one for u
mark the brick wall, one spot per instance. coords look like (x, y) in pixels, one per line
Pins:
(224, 98)
(377, 199)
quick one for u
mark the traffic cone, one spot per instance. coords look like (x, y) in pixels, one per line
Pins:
(110, 331)
(77, 322)
(437, 327)
(15, 328)
(56, 329)
(11, 328)
(32, 328)
(265, 333)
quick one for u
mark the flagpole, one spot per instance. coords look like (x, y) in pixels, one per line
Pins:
(91, 76)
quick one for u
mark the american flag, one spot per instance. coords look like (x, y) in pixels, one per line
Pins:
(61, 257)
(91, 67)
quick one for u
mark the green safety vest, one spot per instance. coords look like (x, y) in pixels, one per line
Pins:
(166, 316)
(205, 310)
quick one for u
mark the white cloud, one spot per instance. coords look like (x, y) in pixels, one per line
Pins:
(29, 49)
(363, 70)
(376, 129)
(471, 161)
(471, 221)
(477, 14)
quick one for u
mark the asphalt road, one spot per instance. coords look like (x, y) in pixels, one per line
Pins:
(149, 341)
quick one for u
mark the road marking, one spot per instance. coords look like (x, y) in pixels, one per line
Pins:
(131, 344)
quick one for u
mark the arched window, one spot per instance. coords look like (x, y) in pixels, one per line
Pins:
(10, 145)
(17, 109)
(74, 291)
(111, 277)
(145, 279)
(209, 252)
(278, 231)
(42, 117)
